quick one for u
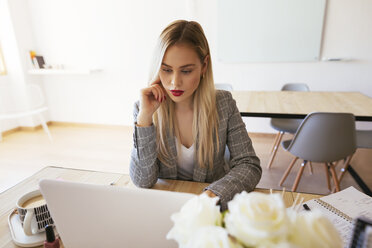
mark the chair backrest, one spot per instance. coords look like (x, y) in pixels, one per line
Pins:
(12, 101)
(35, 96)
(325, 137)
(278, 123)
(6, 98)
(227, 87)
(295, 87)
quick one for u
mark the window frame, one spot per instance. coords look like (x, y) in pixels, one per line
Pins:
(2, 63)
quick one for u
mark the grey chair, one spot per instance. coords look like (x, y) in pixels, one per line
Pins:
(363, 140)
(227, 87)
(324, 138)
(285, 125)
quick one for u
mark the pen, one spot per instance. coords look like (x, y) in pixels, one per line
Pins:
(306, 207)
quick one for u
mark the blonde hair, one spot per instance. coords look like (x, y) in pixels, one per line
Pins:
(205, 119)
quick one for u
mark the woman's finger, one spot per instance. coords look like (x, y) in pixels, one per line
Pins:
(147, 92)
(156, 81)
(160, 85)
(155, 92)
(160, 92)
(163, 92)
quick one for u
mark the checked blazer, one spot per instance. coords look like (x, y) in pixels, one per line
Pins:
(243, 172)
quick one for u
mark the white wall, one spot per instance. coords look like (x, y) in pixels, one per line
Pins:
(347, 34)
(15, 39)
(118, 37)
(8, 47)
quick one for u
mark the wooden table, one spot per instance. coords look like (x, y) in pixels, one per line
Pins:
(298, 104)
(295, 104)
(9, 197)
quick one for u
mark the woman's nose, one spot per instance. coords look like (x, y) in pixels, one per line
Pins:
(176, 80)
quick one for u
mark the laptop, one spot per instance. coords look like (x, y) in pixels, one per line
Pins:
(88, 215)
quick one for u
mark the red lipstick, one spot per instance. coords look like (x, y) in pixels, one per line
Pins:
(177, 92)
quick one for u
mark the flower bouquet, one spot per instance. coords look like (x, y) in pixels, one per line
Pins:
(252, 220)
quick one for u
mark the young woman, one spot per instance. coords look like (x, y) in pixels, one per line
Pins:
(183, 125)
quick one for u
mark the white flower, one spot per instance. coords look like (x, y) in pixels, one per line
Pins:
(257, 219)
(312, 229)
(282, 244)
(211, 237)
(253, 220)
(199, 211)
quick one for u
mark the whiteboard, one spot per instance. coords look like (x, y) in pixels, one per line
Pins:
(270, 30)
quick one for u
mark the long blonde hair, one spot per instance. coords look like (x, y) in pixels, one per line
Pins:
(205, 117)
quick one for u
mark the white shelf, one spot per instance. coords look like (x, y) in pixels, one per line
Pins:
(61, 72)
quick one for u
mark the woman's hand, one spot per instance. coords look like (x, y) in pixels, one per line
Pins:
(210, 193)
(150, 100)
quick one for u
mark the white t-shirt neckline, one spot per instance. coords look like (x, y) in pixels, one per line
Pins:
(185, 161)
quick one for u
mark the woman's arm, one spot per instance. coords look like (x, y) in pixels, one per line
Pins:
(144, 165)
(144, 168)
(245, 170)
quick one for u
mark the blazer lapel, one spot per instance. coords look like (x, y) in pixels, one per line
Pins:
(200, 174)
(173, 157)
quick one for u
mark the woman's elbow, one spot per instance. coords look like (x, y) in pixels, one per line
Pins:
(145, 184)
(142, 182)
(256, 164)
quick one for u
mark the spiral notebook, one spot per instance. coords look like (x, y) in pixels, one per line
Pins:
(342, 207)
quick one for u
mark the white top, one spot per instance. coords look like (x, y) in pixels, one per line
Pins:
(185, 161)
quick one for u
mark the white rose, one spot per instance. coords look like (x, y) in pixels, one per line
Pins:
(257, 219)
(283, 244)
(199, 211)
(211, 237)
(312, 229)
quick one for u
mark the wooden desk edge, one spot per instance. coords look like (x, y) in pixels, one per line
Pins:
(175, 185)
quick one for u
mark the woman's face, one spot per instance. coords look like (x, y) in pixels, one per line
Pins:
(180, 72)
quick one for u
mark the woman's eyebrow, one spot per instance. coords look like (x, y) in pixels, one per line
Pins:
(180, 66)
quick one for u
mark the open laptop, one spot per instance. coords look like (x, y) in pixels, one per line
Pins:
(88, 215)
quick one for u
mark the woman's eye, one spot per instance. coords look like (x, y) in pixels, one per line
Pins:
(167, 70)
(186, 72)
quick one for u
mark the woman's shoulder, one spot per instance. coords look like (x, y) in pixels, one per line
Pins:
(223, 96)
(224, 102)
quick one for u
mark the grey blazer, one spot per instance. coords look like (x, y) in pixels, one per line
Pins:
(242, 173)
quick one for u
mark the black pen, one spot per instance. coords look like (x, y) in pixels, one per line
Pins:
(306, 207)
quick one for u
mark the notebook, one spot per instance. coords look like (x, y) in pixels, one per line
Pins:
(88, 215)
(342, 207)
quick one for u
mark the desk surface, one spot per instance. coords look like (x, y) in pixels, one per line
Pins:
(294, 104)
(8, 198)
